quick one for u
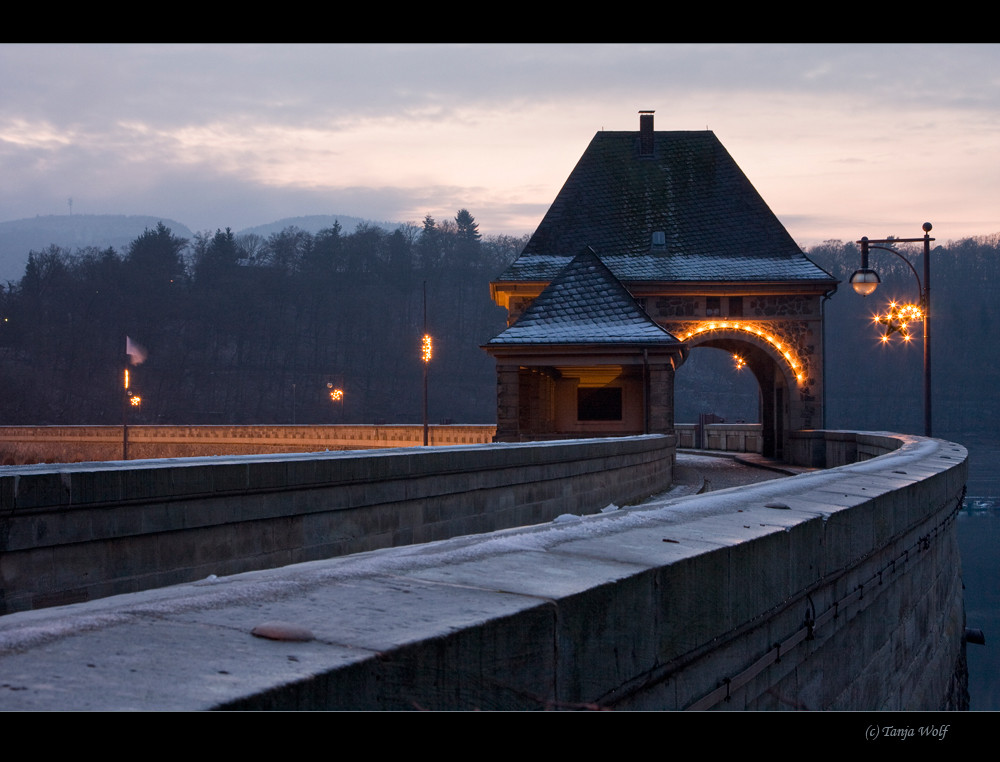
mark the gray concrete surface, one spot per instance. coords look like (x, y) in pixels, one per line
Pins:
(76, 532)
(534, 617)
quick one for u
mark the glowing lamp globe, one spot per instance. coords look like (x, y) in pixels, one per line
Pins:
(865, 281)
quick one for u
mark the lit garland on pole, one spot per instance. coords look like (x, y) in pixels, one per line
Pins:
(897, 318)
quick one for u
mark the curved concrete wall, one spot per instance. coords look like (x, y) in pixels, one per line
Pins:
(77, 532)
(836, 589)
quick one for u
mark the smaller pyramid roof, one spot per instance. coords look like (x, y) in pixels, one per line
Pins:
(584, 304)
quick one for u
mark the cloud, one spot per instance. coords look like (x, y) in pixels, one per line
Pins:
(216, 135)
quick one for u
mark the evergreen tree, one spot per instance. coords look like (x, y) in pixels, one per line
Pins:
(215, 257)
(429, 245)
(468, 228)
(155, 257)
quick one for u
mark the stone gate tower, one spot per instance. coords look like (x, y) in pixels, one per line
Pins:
(676, 223)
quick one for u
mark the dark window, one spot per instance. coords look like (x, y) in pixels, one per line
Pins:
(736, 306)
(713, 306)
(600, 404)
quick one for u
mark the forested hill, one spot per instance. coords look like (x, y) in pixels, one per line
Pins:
(70, 231)
(252, 329)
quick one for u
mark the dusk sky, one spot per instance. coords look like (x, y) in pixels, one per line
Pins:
(840, 140)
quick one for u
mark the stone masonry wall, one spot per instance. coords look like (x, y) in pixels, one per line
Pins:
(78, 532)
(835, 589)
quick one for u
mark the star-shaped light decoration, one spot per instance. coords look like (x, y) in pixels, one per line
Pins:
(897, 319)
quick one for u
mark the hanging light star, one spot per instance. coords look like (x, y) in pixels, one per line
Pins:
(897, 319)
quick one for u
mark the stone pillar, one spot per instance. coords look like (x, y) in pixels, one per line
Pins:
(661, 398)
(508, 403)
(537, 403)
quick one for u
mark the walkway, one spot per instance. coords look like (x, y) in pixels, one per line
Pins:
(699, 471)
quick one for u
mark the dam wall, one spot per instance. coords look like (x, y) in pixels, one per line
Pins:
(836, 589)
(76, 532)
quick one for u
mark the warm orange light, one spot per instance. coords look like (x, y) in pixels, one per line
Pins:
(135, 400)
(727, 325)
(336, 395)
(425, 348)
(897, 319)
(126, 378)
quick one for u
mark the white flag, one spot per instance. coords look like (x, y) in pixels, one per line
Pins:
(135, 351)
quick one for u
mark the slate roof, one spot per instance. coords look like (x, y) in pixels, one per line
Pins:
(584, 304)
(716, 225)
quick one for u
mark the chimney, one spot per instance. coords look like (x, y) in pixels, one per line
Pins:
(646, 133)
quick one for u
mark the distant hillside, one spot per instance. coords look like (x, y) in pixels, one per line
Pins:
(77, 231)
(314, 223)
(71, 231)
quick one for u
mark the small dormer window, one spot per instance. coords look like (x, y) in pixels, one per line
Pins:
(659, 242)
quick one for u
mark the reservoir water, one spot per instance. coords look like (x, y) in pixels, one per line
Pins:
(979, 541)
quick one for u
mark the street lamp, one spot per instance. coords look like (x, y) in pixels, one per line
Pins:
(130, 399)
(866, 280)
(337, 395)
(426, 351)
(425, 355)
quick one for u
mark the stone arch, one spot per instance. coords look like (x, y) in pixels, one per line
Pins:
(775, 365)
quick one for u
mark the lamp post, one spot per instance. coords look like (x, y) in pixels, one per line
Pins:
(866, 280)
(128, 400)
(125, 403)
(425, 355)
(337, 395)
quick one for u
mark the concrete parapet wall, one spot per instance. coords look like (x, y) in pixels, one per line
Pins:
(21, 445)
(78, 532)
(835, 589)
(828, 449)
(727, 437)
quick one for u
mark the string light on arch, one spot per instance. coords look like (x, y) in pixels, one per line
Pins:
(764, 335)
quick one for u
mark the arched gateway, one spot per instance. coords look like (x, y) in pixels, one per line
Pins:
(688, 245)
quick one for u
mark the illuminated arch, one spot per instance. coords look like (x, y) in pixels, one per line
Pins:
(784, 350)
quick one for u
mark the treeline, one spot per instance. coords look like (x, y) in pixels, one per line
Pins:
(246, 329)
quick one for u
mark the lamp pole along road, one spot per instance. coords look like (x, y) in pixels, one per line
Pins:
(866, 280)
(425, 355)
(125, 402)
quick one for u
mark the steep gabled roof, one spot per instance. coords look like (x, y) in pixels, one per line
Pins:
(716, 226)
(584, 304)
